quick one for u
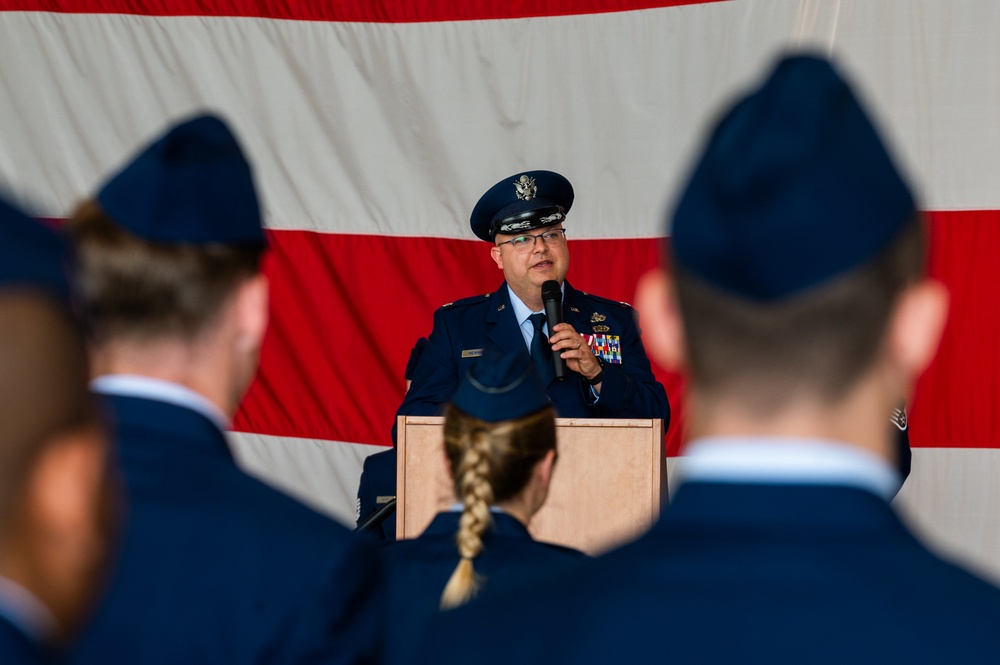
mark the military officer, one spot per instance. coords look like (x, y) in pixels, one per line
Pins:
(214, 566)
(609, 376)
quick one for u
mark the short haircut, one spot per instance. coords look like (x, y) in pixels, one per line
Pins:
(138, 289)
(818, 342)
(43, 386)
(491, 463)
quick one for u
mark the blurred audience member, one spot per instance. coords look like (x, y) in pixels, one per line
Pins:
(56, 497)
(215, 567)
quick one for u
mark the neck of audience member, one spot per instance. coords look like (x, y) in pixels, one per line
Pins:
(208, 365)
(857, 419)
(531, 499)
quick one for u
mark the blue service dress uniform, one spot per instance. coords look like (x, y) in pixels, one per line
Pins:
(378, 480)
(417, 571)
(738, 572)
(470, 328)
(216, 567)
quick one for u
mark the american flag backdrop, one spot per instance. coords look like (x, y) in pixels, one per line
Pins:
(374, 126)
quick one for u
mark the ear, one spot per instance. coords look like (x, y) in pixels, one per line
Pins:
(543, 469)
(497, 256)
(71, 503)
(916, 326)
(662, 330)
(252, 303)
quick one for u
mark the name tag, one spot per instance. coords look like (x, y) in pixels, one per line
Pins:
(472, 353)
(608, 347)
(384, 499)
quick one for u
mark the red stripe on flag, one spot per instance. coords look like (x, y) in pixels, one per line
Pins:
(383, 11)
(347, 309)
(955, 404)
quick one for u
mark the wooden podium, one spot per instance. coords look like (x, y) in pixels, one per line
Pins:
(607, 486)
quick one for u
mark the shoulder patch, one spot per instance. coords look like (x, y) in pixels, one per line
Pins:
(466, 301)
(608, 301)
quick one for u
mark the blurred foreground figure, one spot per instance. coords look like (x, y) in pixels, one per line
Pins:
(800, 309)
(215, 567)
(55, 494)
(500, 440)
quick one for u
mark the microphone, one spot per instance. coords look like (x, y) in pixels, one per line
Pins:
(552, 301)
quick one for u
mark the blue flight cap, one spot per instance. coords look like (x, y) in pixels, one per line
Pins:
(192, 185)
(501, 387)
(794, 188)
(32, 255)
(522, 202)
(411, 364)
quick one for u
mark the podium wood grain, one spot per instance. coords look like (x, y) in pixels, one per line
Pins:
(607, 487)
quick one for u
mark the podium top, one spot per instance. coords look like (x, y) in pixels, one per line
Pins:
(640, 423)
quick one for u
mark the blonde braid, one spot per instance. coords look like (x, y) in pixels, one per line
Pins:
(473, 485)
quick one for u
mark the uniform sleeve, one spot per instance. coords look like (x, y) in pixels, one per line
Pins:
(366, 498)
(629, 389)
(436, 376)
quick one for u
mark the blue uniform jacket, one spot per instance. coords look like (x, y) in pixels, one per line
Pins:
(418, 570)
(468, 328)
(740, 573)
(378, 479)
(216, 567)
(16, 648)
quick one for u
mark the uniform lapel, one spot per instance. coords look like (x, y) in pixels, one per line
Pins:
(503, 328)
(574, 313)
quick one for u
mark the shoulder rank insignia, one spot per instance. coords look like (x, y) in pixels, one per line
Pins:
(597, 318)
(601, 329)
(608, 347)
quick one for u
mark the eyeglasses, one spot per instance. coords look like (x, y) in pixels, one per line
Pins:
(525, 243)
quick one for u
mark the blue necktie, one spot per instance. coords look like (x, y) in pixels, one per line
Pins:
(541, 352)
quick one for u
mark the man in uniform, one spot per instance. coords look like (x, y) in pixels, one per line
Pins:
(214, 566)
(56, 496)
(608, 373)
(800, 307)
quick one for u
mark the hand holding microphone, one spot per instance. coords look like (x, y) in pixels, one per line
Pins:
(569, 348)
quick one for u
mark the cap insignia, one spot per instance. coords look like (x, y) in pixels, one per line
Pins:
(597, 318)
(525, 188)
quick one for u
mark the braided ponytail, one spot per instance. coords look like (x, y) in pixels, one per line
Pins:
(491, 463)
(472, 480)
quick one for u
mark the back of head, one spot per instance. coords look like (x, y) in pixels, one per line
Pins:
(168, 238)
(791, 242)
(498, 427)
(45, 403)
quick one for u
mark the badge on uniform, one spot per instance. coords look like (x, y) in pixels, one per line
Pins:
(608, 347)
(472, 353)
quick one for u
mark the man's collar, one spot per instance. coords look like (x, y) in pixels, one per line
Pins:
(786, 461)
(522, 311)
(27, 612)
(133, 385)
